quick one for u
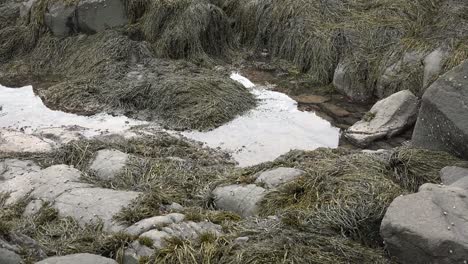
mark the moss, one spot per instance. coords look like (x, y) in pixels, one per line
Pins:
(145, 241)
(369, 116)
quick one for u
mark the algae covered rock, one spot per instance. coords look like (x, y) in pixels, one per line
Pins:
(349, 80)
(442, 122)
(387, 118)
(60, 17)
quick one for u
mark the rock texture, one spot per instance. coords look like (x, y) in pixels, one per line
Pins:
(429, 226)
(9, 257)
(442, 123)
(17, 142)
(78, 259)
(452, 174)
(242, 200)
(276, 177)
(348, 81)
(108, 163)
(154, 222)
(61, 18)
(389, 117)
(433, 63)
(99, 15)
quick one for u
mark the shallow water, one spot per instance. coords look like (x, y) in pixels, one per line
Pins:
(273, 128)
(22, 109)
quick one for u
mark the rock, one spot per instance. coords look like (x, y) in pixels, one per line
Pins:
(33, 207)
(390, 116)
(276, 177)
(154, 222)
(399, 75)
(17, 142)
(25, 242)
(442, 123)
(133, 254)
(25, 7)
(84, 258)
(10, 168)
(310, 99)
(240, 199)
(9, 257)
(99, 15)
(61, 19)
(61, 135)
(91, 205)
(108, 163)
(8, 246)
(433, 63)
(348, 80)
(241, 240)
(452, 174)
(429, 226)
(175, 207)
(184, 230)
(382, 155)
(334, 110)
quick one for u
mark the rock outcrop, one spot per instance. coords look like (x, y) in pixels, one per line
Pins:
(429, 226)
(78, 259)
(442, 122)
(108, 163)
(387, 118)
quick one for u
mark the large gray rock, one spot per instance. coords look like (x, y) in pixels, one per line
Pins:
(78, 259)
(93, 205)
(442, 123)
(17, 142)
(108, 163)
(390, 116)
(433, 64)
(9, 257)
(99, 15)
(241, 199)
(451, 174)
(61, 18)
(10, 168)
(276, 177)
(348, 81)
(429, 226)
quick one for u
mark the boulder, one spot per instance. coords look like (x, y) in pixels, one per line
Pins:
(25, 7)
(442, 122)
(33, 207)
(99, 15)
(93, 205)
(84, 258)
(429, 226)
(348, 80)
(60, 17)
(387, 118)
(9, 257)
(452, 174)
(433, 63)
(240, 199)
(10, 168)
(17, 142)
(276, 177)
(108, 163)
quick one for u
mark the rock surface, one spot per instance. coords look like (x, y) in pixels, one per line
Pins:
(99, 15)
(433, 63)
(78, 259)
(17, 142)
(442, 123)
(9, 257)
(242, 200)
(389, 117)
(108, 163)
(61, 18)
(451, 174)
(429, 226)
(154, 222)
(347, 81)
(276, 177)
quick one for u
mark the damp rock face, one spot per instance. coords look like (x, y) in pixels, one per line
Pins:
(387, 118)
(78, 259)
(429, 226)
(442, 122)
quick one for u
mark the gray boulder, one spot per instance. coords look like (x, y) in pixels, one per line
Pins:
(429, 226)
(25, 7)
(452, 174)
(93, 205)
(154, 222)
(442, 123)
(99, 15)
(433, 64)
(9, 257)
(348, 80)
(108, 163)
(17, 142)
(78, 259)
(240, 199)
(388, 117)
(61, 19)
(276, 177)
